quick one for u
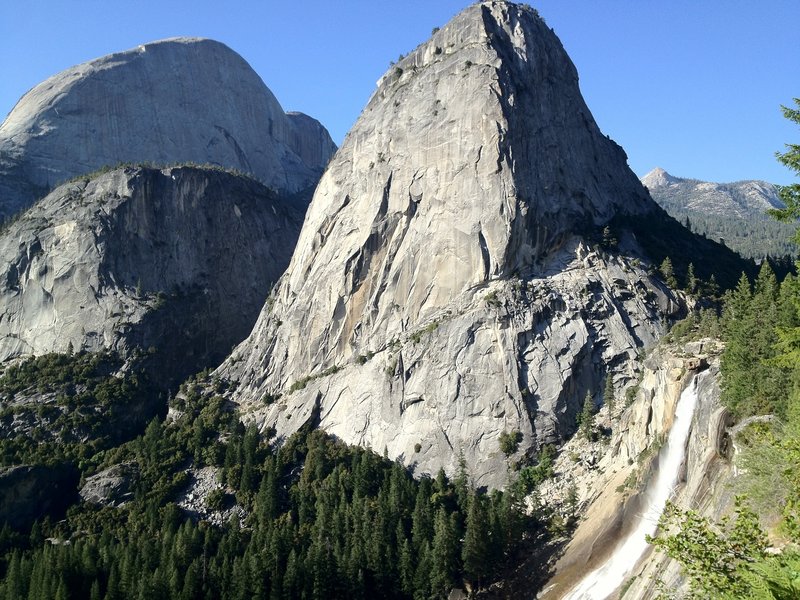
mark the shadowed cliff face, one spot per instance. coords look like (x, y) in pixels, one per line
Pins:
(442, 290)
(178, 100)
(178, 261)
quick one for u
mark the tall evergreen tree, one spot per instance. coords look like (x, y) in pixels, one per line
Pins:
(477, 542)
(668, 273)
(444, 554)
(586, 417)
(750, 321)
(691, 279)
(608, 393)
(790, 194)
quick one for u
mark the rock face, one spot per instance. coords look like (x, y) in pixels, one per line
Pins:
(178, 261)
(442, 290)
(29, 492)
(110, 487)
(176, 100)
(608, 478)
(734, 212)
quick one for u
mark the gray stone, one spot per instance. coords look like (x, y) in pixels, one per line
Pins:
(176, 100)
(609, 495)
(442, 290)
(111, 486)
(176, 260)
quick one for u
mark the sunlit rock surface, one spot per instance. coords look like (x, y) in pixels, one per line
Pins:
(176, 100)
(442, 290)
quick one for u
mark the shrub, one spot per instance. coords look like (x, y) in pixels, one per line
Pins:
(216, 499)
(509, 441)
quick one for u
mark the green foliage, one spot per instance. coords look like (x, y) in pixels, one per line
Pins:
(216, 499)
(304, 381)
(509, 442)
(325, 521)
(429, 328)
(754, 382)
(529, 477)
(728, 561)
(668, 273)
(86, 177)
(608, 393)
(586, 417)
(67, 407)
(753, 238)
(630, 394)
(790, 194)
(269, 399)
(609, 240)
(491, 299)
(362, 359)
(691, 279)
(695, 326)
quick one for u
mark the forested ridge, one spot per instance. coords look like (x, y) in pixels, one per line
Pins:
(324, 520)
(757, 237)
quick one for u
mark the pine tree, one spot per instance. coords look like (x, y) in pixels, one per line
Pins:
(668, 273)
(475, 552)
(609, 239)
(608, 394)
(712, 287)
(461, 482)
(13, 585)
(291, 577)
(586, 417)
(422, 518)
(94, 592)
(422, 574)
(444, 554)
(750, 321)
(406, 568)
(691, 279)
(790, 194)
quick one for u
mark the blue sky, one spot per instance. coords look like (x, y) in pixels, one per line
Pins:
(691, 86)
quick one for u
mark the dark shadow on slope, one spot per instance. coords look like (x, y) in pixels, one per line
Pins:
(660, 236)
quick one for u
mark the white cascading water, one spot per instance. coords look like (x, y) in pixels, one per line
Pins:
(603, 581)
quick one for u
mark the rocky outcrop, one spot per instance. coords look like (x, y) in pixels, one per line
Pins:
(110, 487)
(608, 477)
(174, 262)
(196, 502)
(442, 290)
(707, 486)
(176, 100)
(29, 492)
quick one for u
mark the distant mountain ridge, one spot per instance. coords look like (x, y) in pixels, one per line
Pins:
(734, 212)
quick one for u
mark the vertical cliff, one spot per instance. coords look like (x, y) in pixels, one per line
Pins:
(446, 286)
(177, 261)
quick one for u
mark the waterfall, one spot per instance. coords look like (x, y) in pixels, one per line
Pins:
(603, 581)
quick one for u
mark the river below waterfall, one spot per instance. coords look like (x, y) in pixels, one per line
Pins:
(608, 577)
